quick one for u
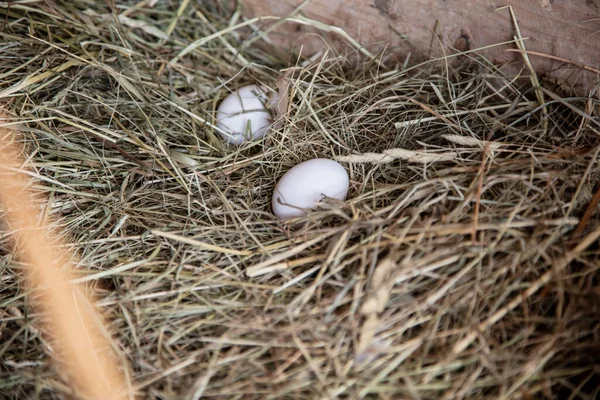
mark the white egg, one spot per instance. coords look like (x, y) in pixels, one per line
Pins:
(306, 184)
(243, 115)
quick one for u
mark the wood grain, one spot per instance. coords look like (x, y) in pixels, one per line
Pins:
(565, 29)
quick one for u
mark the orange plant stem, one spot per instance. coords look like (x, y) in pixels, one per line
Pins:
(82, 345)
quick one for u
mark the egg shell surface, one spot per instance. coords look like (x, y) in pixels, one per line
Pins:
(243, 115)
(305, 185)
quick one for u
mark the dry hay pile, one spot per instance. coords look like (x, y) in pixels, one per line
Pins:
(463, 265)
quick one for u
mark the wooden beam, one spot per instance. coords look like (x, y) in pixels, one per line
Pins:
(568, 30)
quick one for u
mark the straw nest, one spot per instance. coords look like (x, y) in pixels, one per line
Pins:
(463, 265)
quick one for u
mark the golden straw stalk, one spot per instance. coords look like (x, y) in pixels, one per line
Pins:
(82, 345)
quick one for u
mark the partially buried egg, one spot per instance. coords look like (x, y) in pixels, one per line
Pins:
(306, 184)
(243, 116)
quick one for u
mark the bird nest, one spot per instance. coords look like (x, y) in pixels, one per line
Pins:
(463, 264)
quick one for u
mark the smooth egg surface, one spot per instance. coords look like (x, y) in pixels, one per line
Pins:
(243, 115)
(306, 184)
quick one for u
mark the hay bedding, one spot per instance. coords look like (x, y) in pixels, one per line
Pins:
(463, 265)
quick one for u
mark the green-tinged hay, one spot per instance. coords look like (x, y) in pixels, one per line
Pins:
(454, 269)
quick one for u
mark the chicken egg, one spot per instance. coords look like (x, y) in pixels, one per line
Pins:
(306, 184)
(242, 115)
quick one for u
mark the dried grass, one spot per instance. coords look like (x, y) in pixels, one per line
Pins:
(453, 270)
